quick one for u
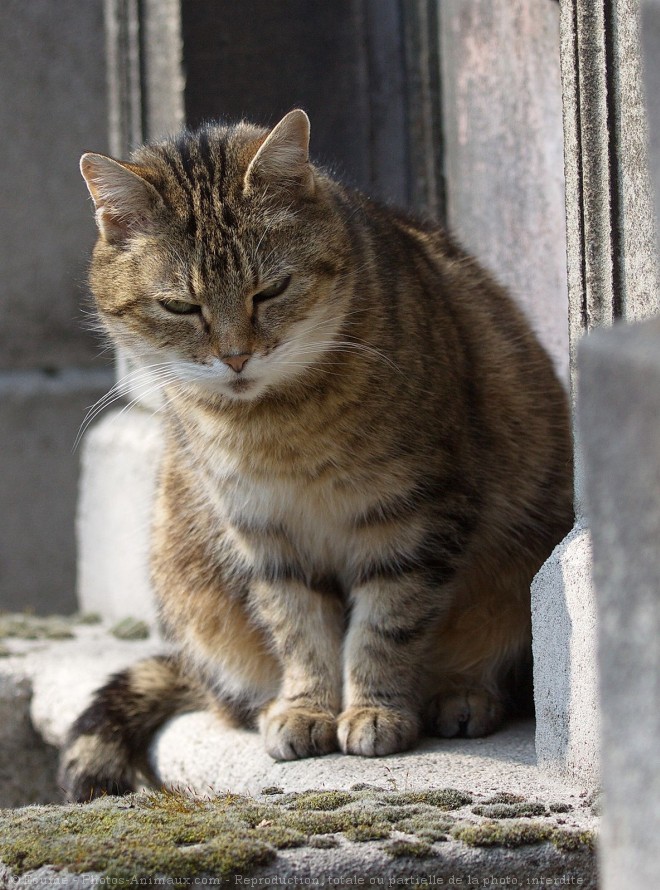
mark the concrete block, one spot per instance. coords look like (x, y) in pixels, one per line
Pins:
(565, 669)
(40, 415)
(52, 108)
(120, 460)
(619, 419)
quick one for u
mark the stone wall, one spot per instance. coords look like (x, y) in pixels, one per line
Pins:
(52, 84)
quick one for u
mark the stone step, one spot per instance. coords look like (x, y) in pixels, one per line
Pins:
(45, 683)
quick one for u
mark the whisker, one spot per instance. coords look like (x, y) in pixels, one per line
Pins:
(148, 373)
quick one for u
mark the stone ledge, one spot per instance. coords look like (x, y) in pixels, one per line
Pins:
(196, 753)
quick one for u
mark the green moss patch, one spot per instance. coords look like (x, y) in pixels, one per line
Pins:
(405, 849)
(322, 800)
(504, 797)
(130, 629)
(171, 835)
(443, 799)
(518, 834)
(510, 810)
(143, 837)
(426, 828)
(25, 626)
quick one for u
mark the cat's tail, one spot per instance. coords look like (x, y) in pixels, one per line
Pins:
(106, 749)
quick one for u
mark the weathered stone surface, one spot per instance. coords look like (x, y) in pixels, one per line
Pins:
(619, 416)
(650, 32)
(503, 150)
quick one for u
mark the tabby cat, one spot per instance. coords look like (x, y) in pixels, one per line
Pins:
(367, 457)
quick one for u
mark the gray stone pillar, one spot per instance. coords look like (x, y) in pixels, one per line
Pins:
(619, 414)
(612, 274)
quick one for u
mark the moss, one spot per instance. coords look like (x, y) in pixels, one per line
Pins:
(86, 618)
(566, 840)
(130, 629)
(504, 797)
(281, 837)
(498, 834)
(314, 822)
(426, 828)
(323, 800)
(395, 814)
(560, 807)
(365, 832)
(323, 841)
(510, 810)
(145, 837)
(443, 799)
(25, 626)
(174, 835)
(414, 849)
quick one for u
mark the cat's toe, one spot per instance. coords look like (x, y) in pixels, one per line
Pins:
(292, 733)
(470, 713)
(374, 731)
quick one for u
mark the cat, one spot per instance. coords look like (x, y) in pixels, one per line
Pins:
(367, 457)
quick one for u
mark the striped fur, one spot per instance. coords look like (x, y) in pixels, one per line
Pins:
(367, 452)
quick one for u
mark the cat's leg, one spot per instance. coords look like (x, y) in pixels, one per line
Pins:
(306, 628)
(482, 662)
(386, 654)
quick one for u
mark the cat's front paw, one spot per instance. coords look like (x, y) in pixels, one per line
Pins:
(374, 731)
(291, 733)
(469, 712)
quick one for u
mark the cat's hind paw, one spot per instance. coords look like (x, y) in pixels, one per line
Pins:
(376, 731)
(292, 733)
(468, 712)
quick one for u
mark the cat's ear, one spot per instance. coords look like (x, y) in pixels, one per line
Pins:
(125, 202)
(283, 157)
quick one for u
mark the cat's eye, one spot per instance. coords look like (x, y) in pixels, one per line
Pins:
(273, 290)
(180, 307)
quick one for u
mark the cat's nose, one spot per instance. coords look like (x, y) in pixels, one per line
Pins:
(236, 361)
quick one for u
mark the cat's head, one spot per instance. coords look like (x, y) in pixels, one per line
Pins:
(220, 257)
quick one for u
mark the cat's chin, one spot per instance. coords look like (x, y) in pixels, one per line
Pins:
(238, 390)
(243, 390)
